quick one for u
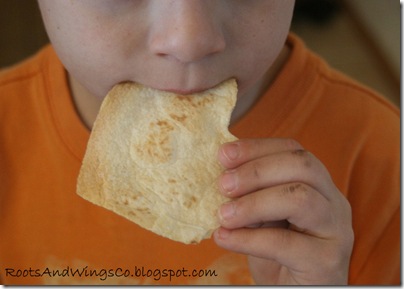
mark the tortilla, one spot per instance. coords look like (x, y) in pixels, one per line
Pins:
(152, 158)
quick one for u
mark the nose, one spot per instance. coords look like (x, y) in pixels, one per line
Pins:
(186, 30)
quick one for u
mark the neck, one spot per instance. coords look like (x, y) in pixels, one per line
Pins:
(87, 105)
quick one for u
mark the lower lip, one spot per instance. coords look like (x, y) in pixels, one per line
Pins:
(184, 92)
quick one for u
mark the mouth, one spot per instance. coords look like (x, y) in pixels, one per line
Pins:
(185, 91)
(182, 91)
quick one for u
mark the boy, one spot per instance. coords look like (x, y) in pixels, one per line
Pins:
(290, 221)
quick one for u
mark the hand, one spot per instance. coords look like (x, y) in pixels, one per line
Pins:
(287, 215)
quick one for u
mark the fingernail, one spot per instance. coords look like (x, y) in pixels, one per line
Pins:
(229, 181)
(227, 211)
(232, 151)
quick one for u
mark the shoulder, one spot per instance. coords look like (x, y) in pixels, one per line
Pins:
(318, 78)
(14, 79)
(356, 112)
(340, 87)
(345, 103)
(352, 128)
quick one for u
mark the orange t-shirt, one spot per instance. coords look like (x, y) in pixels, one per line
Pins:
(49, 235)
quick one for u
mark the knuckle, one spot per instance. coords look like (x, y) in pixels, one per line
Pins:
(294, 188)
(304, 157)
(333, 259)
(348, 209)
(347, 233)
(310, 165)
(302, 197)
(256, 170)
(349, 238)
(293, 145)
(311, 209)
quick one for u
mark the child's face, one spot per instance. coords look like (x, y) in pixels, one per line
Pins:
(179, 45)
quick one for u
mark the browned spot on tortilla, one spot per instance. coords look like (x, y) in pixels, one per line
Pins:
(202, 101)
(179, 118)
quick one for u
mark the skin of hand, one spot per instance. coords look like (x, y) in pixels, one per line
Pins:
(286, 214)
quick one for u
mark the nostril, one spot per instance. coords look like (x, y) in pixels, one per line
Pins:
(189, 47)
(186, 42)
(161, 54)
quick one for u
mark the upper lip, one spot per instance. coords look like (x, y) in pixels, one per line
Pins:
(185, 91)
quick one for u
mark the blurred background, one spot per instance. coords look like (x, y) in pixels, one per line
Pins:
(362, 38)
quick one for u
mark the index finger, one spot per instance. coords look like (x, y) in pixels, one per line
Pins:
(233, 154)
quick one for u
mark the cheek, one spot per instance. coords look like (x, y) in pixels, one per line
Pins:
(105, 57)
(97, 69)
(256, 60)
(261, 48)
(94, 62)
(86, 51)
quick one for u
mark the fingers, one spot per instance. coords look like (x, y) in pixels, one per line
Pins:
(296, 251)
(279, 243)
(255, 172)
(296, 203)
(317, 242)
(275, 180)
(285, 208)
(235, 153)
